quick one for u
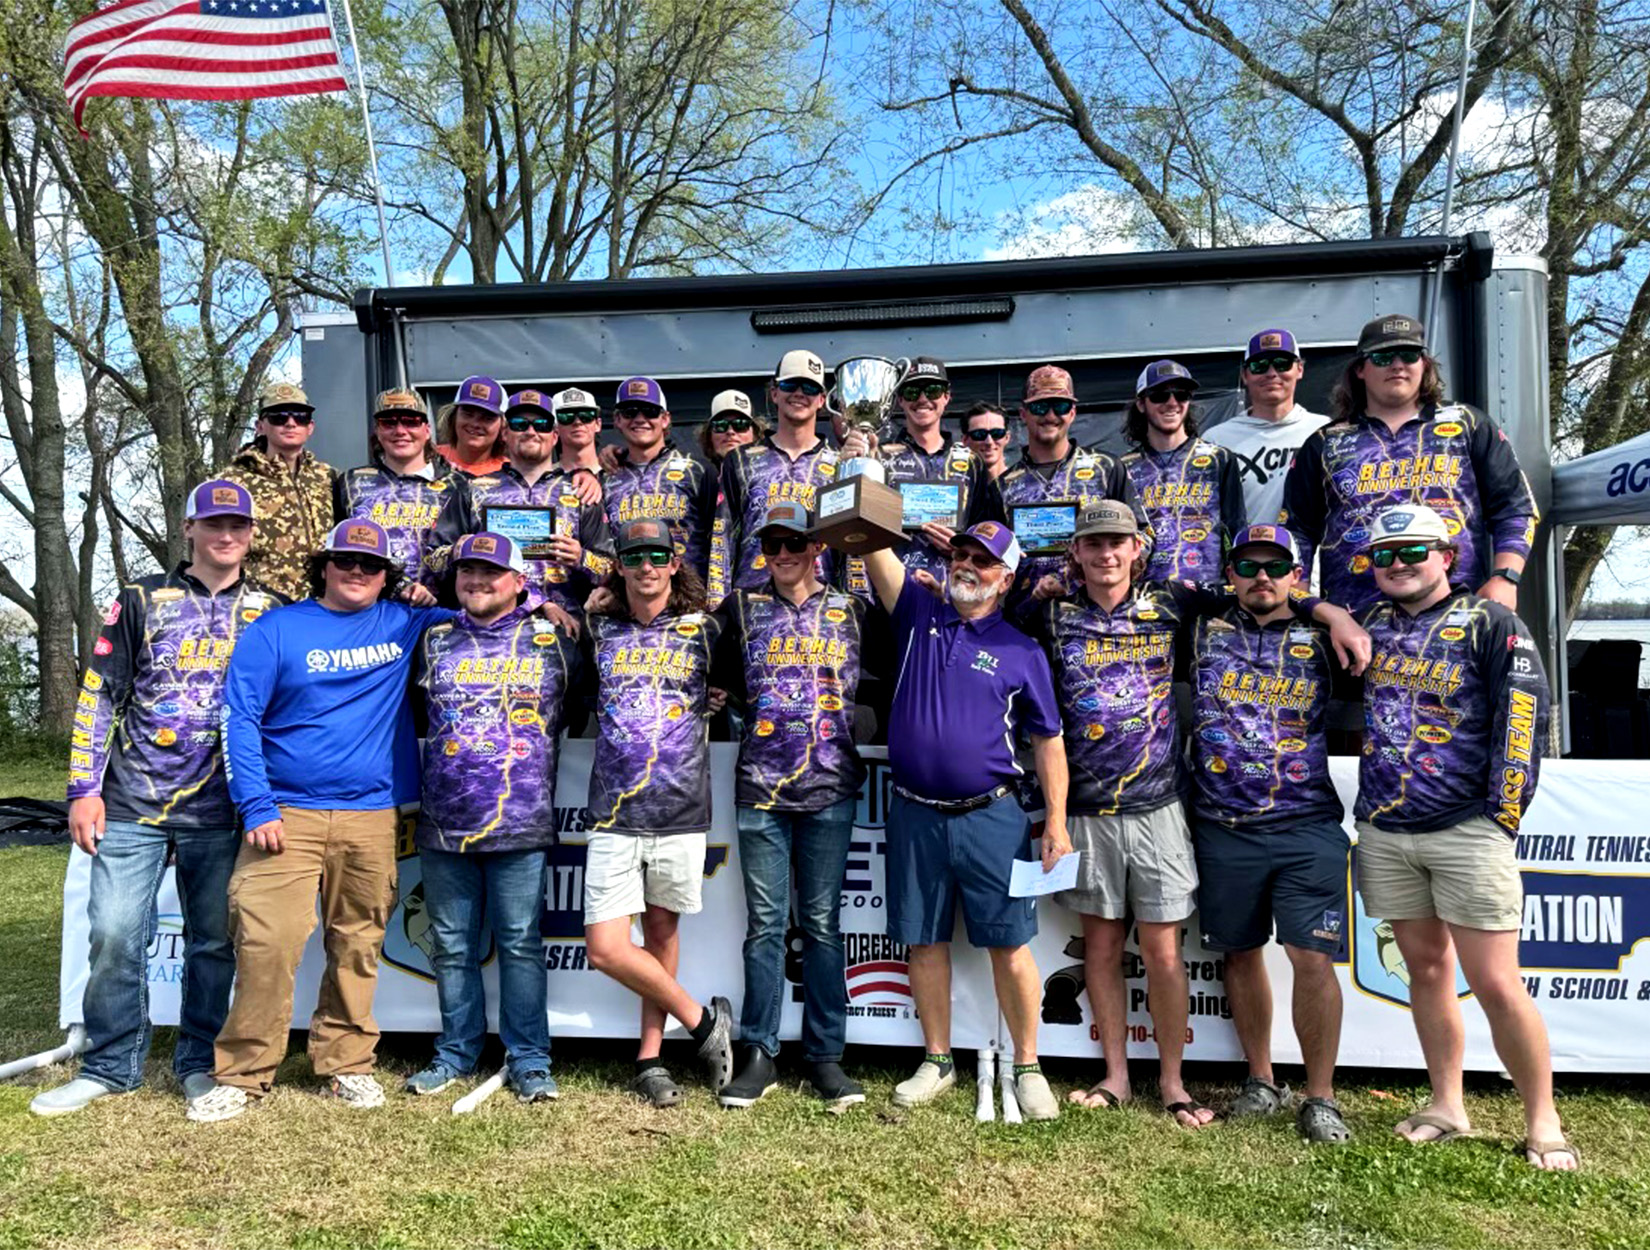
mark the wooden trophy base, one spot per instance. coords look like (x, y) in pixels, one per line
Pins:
(859, 514)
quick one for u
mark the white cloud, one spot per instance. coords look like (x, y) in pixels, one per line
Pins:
(1089, 220)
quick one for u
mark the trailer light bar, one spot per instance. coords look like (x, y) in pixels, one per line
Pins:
(842, 316)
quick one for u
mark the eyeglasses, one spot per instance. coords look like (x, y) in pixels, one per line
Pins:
(739, 425)
(933, 390)
(1269, 364)
(286, 416)
(980, 433)
(972, 555)
(1382, 557)
(810, 389)
(542, 424)
(637, 412)
(795, 545)
(653, 555)
(1163, 394)
(400, 420)
(370, 565)
(1059, 407)
(578, 416)
(1274, 568)
(1408, 355)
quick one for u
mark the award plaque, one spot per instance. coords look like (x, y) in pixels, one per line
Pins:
(531, 529)
(931, 501)
(858, 514)
(1043, 528)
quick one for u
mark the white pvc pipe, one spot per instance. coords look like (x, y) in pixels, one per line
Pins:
(480, 1094)
(985, 1097)
(72, 1046)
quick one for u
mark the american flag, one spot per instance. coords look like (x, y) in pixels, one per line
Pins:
(202, 50)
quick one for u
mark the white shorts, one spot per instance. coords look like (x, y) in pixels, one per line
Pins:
(625, 873)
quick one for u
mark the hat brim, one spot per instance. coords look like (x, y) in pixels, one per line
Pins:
(960, 539)
(783, 530)
(1261, 545)
(1059, 394)
(1108, 527)
(287, 407)
(1392, 346)
(1189, 384)
(491, 561)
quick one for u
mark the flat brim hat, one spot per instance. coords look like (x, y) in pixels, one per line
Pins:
(489, 548)
(573, 400)
(1385, 333)
(283, 395)
(219, 498)
(925, 369)
(1107, 516)
(998, 539)
(538, 401)
(736, 402)
(1267, 536)
(1409, 523)
(358, 536)
(644, 536)
(481, 392)
(787, 517)
(399, 399)
(1272, 343)
(800, 365)
(641, 391)
(1160, 372)
(1049, 382)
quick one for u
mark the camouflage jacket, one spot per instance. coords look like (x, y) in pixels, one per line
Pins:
(295, 512)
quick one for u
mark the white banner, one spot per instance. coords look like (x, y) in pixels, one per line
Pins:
(1586, 864)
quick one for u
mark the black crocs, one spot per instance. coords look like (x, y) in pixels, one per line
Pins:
(1319, 1120)
(655, 1087)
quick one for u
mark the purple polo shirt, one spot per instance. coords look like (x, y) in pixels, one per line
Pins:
(964, 687)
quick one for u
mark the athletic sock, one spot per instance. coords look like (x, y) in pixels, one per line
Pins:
(942, 1062)
(1020, 1069)
(642, 1065)
(707, 1022)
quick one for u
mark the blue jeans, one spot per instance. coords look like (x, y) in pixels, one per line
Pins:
(817, 842)
(503, 890)
(126, 875)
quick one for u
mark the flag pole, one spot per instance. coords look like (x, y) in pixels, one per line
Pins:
(1449, 173)
(372, 148)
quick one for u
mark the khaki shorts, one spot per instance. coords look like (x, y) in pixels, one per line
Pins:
(1466, 875)
(1137, 862)
(626, 873)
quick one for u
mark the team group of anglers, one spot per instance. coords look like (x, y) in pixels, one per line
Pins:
(341, 649)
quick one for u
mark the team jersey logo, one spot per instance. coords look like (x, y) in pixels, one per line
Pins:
(1448, 429)
(1452, 634)
(1437, 735)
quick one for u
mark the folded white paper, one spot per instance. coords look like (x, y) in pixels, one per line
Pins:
(1028, 878)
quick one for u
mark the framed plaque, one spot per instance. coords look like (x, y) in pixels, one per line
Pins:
(1043, 528)
(922, 502)
(530, 528)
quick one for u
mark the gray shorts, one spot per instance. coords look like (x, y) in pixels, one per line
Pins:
(1140, 862)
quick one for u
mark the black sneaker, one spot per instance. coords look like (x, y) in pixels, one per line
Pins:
(757, 1075)
(829, 1082)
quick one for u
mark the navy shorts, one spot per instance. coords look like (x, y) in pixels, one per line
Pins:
(1295, 876)
(933, 858)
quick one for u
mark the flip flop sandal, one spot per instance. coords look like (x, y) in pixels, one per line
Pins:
(1191, 1107)
(1541, 1149)
(1108, 1100)
(654, 1086)
(1448, 1131)
(1257, 1098)
(1319, 1120)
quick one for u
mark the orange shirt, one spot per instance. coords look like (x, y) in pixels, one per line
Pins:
(473, 468)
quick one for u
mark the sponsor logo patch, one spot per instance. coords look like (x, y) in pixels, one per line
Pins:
(1435, 734)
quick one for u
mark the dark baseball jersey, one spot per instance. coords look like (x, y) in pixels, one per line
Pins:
(754, 478)
(1082, 478)
(1193, 496)
(407, 505)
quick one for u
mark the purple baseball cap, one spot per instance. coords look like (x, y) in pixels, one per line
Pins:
(529, 399)
(1268, 536)
(218, 498)
(1161, 371)
(359, 536)
(998, 539)
(640, 390)
(481, 392)
(490, 548)
(1271, 342)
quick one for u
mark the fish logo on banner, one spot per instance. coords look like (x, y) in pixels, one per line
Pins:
(1378, 967)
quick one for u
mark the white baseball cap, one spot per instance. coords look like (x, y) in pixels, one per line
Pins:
(1409, 523)
(800, 364)
(571, 398)
(731, 401)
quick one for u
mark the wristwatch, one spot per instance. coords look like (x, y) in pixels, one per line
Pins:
(1512, 575)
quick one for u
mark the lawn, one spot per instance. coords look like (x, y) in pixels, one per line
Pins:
(597, 1169)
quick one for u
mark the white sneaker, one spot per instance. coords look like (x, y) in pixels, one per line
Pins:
(221, 1102)
(928, 1083)
(357, 1089)
(1036, 1099)
(67, 1099)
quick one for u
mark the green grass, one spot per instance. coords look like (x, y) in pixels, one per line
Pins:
(597, 1169)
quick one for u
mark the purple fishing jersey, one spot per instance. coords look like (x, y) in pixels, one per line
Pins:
(652, 767)
(754, 478)
(684, 492)
(1193, 497)
(1082, 478)
(147, 724)
(495, 695)
(1453, 459)
(1260, 759)
(407, 505)
(1455, 716)
(1114, 677)
(466, 513)
(797, 668)
(978, 500)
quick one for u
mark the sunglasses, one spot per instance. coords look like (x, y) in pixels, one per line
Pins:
(1408, 355)
(979, 434)
(638, 412)
(933, 390)
(810, 389)
(983, 560)
(400, 420)
(578, 416)
(657, 558)
(1382, 557)
(543, 424)
(1269, 364)
(1275, 569)
(1059, 407)
(1163, 394)
(286, 416)
(370, 565)
(796, 546)
(739, 425)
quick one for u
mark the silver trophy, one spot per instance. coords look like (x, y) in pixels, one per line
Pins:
(862, 394)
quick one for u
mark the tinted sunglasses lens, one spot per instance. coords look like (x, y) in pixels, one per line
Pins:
(1413, 555)
(721, 425)
(1408, 355)
(288, 418)
(808, 388)
(933, 390)
(1270, 364)
(635, 559)
(1384, 556)
(577, 416)
(795, 545)
(995, 432)
(636, 412)
(1252, 568)
(542, 424)
(399, 421)
(1042, 407)
(366, 564)
(1163, 394)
